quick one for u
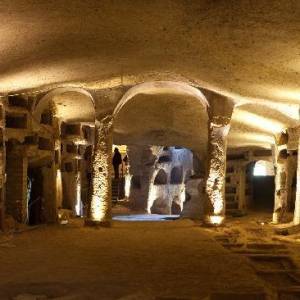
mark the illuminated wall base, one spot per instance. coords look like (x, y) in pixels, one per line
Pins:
(127, 185)
(214, 220)
(93, 223)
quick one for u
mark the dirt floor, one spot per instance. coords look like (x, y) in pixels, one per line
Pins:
(132, 260)
(273, 251)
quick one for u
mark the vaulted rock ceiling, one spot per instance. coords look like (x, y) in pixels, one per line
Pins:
(248, 50)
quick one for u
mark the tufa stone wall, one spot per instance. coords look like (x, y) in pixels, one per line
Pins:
(16, 187)
(158, 175)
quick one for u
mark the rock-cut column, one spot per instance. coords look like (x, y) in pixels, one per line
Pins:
(241, 189)
(280, 198)
(297, 202)
(99, 210)
(215, 184)
(2, 163)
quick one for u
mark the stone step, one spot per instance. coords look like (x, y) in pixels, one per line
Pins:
(277, 271)
(232, 205)
(288, 293)
(266, 256)
(242, 295)
(266, 246)
(232, 245)
(248, 252)
(229, 198)
(235, 212)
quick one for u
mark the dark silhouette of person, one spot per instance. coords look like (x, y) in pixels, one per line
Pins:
(117, 160)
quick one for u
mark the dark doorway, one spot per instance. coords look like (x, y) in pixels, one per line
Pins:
(176, 175)
(35, 196)
(161, 178)
(260, 189)
(263, 192)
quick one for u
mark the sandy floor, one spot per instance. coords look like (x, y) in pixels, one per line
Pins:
(145, 259)
(275, 256)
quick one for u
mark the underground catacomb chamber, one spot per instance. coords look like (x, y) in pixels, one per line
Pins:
(203, 106)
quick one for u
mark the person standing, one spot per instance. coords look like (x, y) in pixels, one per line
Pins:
(117, 160)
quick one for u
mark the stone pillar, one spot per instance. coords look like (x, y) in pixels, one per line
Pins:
(297, 202)
(99, 210)
(280, 199)
(86, 171)
(16, 185)
(52, 173)
(241, 189)
(50, 192)
(2, 166)
(219, 112)
(215, 184)
(292, 167)
(281, 173)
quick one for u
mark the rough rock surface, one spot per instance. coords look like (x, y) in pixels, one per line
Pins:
(193, 205)
(247, 51)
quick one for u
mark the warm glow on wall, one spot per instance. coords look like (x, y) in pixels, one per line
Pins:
(255, 121)
(215, 193)
(251, 138)
(97, 209)
(218, 204)
(288, 94)
(216, 220)
(100, 204)
(99, 212)
(100, 191)
(127, 185)
(78, 203)
(58, 188)
(153, 193)
(182, 195)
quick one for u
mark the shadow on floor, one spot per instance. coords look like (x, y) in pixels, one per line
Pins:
(145, 217)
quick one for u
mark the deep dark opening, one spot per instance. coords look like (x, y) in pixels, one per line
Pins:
(136, 182)
(16, 121)
(35, 196)
(161, 178)
(176, 175)
(18, 101)
(71, 148)
(72, 129)
(263, 192)
(260, 189)
(45, 144)
(46, 118)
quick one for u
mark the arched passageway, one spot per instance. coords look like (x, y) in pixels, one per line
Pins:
(52, 160)
(173, 113)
